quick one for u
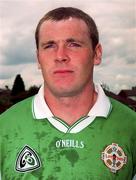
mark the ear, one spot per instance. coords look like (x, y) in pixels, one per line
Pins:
(38, 63)
(97, 54)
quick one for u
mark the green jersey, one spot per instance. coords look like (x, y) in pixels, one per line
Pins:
(32, 149)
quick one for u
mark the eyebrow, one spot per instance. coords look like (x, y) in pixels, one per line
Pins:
(74, 40)
(69, 40)
(47, 42)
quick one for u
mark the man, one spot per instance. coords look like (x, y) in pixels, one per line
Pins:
(73, 131)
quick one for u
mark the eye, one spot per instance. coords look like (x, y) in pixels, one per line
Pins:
(47, 46)
(74, 44)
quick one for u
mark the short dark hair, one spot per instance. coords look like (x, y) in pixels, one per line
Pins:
(64, 13)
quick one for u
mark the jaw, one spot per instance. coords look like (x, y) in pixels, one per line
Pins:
(68, 88)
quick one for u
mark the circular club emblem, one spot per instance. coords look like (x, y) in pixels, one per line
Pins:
(114, 157)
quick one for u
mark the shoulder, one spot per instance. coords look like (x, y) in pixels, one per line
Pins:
(123, 115)
(17, 111)
(122, 109)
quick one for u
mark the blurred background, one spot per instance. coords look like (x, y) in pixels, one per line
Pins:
(116, 21)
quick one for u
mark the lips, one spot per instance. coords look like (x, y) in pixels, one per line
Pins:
(65, 71)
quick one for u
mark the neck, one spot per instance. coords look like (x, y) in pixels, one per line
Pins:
(70, 109)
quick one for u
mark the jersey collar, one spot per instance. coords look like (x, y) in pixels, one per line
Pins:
(101, 108)
(39, 107)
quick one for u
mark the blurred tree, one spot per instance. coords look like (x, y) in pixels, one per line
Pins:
(33, 90)
(7, 88)
(18, 86)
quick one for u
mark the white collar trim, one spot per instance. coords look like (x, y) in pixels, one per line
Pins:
(101, 108)
(40, 107)
(102, 105)
(75, 128)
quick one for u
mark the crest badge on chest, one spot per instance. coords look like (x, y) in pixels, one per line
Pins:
(114, 157)
(27, 160)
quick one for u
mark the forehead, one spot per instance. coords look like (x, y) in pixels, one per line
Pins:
(71, 25)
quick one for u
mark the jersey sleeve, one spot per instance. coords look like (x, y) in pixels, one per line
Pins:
(0, 159)
(134, 152)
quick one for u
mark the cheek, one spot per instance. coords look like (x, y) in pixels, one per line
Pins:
(44, 57)
(85, 61)
(42, 65)
(86, 70)
(86, 56)
(44, 61)
(86, 66)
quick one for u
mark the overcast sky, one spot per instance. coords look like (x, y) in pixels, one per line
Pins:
(116, 21)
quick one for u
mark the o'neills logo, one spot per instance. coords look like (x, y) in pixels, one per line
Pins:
(69, 143)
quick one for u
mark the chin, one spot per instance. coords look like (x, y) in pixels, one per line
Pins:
(65, 92)
(62, 93)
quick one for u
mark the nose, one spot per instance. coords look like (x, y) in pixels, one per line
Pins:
(61, 54)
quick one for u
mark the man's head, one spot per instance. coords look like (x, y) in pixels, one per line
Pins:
(67, 50)
(64, 13)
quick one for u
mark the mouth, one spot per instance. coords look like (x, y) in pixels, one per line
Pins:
(65, 71)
